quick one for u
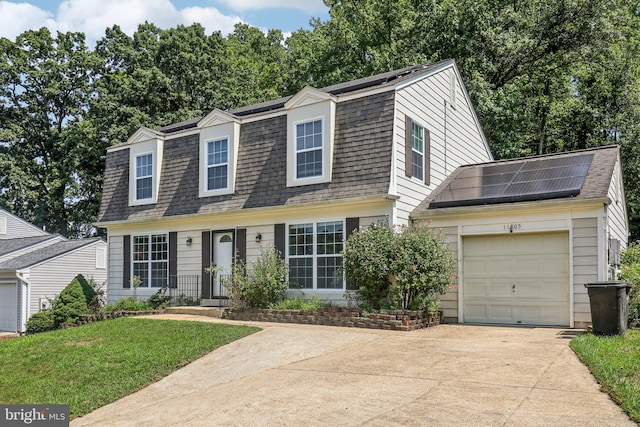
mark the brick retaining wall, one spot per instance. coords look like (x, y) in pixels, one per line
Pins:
(394, 320)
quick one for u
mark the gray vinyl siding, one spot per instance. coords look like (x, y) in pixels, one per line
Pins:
(16, 227)
(115, 263)
(51, 277)
(616, 211)
(585, 266)
(449, 301)
(424, 103)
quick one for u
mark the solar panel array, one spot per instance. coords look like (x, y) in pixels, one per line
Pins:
(528, 180)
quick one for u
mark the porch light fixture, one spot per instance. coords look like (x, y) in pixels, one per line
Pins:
(258, 238)
(189, 241)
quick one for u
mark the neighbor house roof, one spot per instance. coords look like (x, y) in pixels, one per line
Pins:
(12, 245)
(577, 175)
(41, 255)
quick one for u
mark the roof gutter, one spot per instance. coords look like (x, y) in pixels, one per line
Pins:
(502, 207)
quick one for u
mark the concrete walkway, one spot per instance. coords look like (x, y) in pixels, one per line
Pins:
(451, 375)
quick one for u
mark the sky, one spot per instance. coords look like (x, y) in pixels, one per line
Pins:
(93, 16)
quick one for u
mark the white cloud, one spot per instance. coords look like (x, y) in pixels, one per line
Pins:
(16, 18)
(311, 6)
(92, 17)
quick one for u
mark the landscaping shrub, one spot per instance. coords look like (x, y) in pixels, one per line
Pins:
(73, 301)
(367, 259)
(268, 280)
(128, 304)
(159, 300)
(312, 304)
(236, 284)
(630, 272)
(407, 268)
(41, 322)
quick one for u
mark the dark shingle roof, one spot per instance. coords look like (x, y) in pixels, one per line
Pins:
(595, 185)
(361, 167)
(379, 80)
(46, 253)
(12, 245)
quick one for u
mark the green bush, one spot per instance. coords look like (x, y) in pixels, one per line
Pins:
(73, 301)
(159, 300)
(367, 260)
(41, 322)
(312, 304)
(630, 272)
(268, 281)
(236, 284)
(128, 304)
(407, 268)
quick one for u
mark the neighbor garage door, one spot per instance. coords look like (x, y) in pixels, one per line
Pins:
(8, 307)
(516, 279)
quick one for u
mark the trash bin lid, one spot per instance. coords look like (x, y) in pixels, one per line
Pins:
(608, 284)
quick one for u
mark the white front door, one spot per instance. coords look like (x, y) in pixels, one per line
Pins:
(222, 259)
(517, 279)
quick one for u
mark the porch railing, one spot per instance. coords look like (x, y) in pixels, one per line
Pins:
(185, 290)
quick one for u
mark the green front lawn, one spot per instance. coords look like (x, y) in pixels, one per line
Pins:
(615, 362)
(90, 366)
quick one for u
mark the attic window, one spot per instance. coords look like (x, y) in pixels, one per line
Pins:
(3, 225)
(309, 149)
(217, 164)
(144, 177)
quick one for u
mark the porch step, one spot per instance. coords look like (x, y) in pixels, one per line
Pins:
(198, 311)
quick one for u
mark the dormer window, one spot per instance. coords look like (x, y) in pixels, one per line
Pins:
(309, 149)
(144, 177)
(219, 145)
(310, 137)
(217, 164)
(145, 160)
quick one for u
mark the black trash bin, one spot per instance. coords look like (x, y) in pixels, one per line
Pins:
(609, 306)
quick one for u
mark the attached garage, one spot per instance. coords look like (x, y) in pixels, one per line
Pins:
(8, 307)
(517, 278)
(528, 234)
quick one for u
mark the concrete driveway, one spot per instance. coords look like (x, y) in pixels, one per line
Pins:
(295, 375)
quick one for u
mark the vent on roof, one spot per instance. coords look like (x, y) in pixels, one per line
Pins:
(539, 179)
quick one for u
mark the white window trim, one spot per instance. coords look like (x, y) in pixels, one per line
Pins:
(315, 256)
(322, 149)
(149, 261)
(101, 258)
(424, 168)
(206, 166)
(136, 177)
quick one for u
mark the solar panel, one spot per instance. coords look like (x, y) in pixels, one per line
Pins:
(526, 180)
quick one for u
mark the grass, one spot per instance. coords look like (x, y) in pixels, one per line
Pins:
(90, 366)
(615, 362)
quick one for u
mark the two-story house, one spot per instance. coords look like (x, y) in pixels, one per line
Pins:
(300, 173)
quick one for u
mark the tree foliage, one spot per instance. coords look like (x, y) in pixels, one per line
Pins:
(543, 76)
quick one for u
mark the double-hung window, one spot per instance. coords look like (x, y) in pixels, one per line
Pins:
(315, 255)
(309, 149)
(150, 259)
(144, 176)
(417, 150)
(217, 164)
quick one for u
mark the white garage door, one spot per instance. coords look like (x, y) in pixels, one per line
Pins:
(517, 279)
(8, 307)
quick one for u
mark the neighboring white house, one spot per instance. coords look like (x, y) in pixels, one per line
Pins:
(299, 173)
(35, 266)
(529, 233)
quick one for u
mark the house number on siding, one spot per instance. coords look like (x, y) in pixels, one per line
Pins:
(512, 227)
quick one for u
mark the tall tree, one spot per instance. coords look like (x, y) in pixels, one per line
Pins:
(45, 86)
